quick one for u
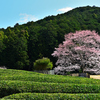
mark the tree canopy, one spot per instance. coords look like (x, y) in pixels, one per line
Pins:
(43, 64)
(21, 45)
(78, 48)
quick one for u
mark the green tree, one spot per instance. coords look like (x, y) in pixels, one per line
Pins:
(2, 48)
(2, 38)
(15, 54)
(43, 64)
(21, 50)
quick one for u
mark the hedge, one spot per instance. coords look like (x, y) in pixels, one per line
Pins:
(51, 79)
(37, 77)
(12, 72)
(52, 96)
(12, 87)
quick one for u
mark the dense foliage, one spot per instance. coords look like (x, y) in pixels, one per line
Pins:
(43, 64)
(78, 48)
(13, 87)
(20, 75)
(19, 84)
(54, 96)
(21, 45)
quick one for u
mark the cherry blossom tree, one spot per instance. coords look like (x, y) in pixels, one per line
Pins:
(77, 48)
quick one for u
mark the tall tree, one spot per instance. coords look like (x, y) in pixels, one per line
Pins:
(2, 38)
(2, 48)
(22, 61)
(78, 48)
(15, 54)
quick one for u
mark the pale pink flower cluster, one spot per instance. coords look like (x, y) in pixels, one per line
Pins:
(77, 48)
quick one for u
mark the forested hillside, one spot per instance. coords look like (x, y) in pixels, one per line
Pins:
(21, 45)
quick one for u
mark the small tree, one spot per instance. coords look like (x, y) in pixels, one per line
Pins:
(43, 64)
(78, 48)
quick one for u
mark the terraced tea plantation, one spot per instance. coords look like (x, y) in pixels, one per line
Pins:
(25, 85)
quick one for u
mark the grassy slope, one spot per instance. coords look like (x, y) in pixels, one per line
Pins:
(10, 74)
(18, 81)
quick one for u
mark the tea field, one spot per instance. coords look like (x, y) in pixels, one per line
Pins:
(27, 85)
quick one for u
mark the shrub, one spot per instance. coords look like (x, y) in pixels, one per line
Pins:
(43, 64)
(12, 87)
(22, 75)
(53, 96)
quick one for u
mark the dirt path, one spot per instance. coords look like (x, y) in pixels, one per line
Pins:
(95, 76)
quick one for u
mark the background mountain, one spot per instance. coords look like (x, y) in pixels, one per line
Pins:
(21, 45)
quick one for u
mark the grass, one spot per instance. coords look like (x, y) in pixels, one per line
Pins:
(19, 84)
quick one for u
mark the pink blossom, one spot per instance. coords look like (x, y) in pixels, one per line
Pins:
(78, 47)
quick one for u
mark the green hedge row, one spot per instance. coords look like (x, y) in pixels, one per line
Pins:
(51, 79)
(10, 74)
(12, 87)
(6, 72)
(52, 96)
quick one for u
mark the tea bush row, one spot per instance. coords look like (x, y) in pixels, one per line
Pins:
(53, 96)
(5, 72)
(11, 74)
(51, 79)
(12, 87)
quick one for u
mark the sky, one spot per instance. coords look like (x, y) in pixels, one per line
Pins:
(23, 11)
